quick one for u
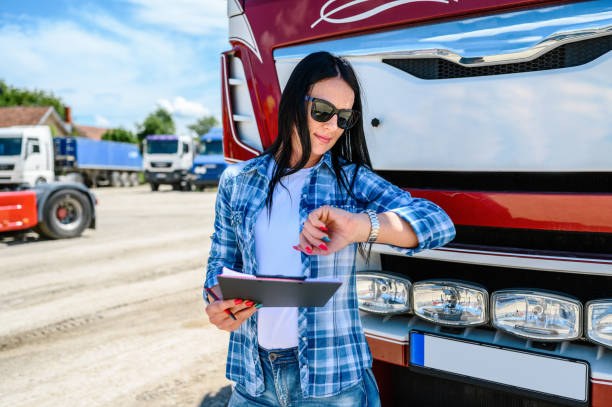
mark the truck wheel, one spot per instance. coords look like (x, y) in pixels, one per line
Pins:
(41, 180)
(115, 179)
(66, 214)
(125, 179)
(154, 186)
(134, 181)
(176, 187)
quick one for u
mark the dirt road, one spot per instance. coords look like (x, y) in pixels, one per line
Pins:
(115, 317)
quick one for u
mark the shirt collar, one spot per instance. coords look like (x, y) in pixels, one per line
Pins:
(261, 163)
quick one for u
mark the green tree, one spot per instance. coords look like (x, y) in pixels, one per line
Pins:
(120, 134)
(203, 125)
(11, 96)
(158, 122)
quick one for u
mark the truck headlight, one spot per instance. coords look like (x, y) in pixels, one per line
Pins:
(537, 315)
(599, 321)
(383, 293)
(451, 303)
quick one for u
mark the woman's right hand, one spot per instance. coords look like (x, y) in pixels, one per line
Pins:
(218, 316)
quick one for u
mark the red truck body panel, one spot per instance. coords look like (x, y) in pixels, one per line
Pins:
(17, 210)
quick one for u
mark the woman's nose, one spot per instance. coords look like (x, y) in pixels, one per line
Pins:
(332, 124)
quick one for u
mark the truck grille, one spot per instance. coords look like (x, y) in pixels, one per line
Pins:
(159, 164)
(7, 167)
(564, 56)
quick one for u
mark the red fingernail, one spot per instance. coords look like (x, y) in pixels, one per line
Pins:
(323, 228)
(322, 246)
(308, 250)
(238, 301)
(228, 312)
(249, 303)
(296, 248)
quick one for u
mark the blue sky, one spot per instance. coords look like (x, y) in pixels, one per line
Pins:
(115, 61)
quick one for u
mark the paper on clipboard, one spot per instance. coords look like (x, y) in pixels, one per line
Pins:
(277, 292)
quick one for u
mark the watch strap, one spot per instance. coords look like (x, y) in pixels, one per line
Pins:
(375, 226)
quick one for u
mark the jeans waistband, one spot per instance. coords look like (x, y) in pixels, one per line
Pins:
(279, 355)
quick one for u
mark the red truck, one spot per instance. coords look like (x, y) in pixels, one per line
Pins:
(55, 210)
(500, 111)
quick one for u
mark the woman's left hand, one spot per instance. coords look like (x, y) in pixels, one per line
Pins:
(329, 229)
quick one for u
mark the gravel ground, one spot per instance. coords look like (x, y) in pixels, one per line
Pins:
(115, 317)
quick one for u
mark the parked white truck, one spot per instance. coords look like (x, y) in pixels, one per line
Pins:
(26, 155)
(29, 155)
(167, 160)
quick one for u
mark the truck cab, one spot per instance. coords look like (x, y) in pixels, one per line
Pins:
(26, 156)
(167, 160)
(499, 112)
(209, 163)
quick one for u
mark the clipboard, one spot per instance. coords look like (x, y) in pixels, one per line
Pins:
(277, 291)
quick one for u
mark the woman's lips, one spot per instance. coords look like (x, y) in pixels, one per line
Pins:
(322, 139)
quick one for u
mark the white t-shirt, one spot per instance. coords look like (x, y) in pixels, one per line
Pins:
(274, 237)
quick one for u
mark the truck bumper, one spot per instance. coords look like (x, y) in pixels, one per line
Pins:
(17, 210)
(575, 365)
(204, 180)
(165, 177)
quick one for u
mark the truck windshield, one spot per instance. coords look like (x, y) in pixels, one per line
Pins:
(212, 147)
(162, 146)
(10, 146)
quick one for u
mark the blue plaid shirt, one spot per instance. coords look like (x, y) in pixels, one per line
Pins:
(332, 351)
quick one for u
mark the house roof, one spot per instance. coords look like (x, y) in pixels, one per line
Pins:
(92, 132)
(24, 115)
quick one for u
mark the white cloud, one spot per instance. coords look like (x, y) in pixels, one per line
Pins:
(194, 17)
(183, 107)
(101, 121)
(114, 68)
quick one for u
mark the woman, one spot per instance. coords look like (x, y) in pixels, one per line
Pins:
(302, 208)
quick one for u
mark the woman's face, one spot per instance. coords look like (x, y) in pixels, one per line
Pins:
(323, 136)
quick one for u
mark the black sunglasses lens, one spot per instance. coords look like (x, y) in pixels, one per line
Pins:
(322, 111)
(346, 119)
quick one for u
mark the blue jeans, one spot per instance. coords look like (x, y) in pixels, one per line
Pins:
(282, 386)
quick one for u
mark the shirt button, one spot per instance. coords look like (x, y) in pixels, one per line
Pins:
(304, 338)
(304, 196)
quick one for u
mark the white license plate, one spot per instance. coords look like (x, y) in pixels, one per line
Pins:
(161, 175)
(528, 371)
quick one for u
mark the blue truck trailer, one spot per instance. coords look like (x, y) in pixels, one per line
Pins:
(210, 163)
(96, 163)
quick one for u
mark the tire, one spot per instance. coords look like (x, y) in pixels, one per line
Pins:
(115, 179)
(98, 180)
(65, 214)
(40, 180)
(75, 177)
(176, 187)
(134, 181)
(154, 186)
(125, 180)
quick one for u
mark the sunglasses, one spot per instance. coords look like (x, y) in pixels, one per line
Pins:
(322, 111)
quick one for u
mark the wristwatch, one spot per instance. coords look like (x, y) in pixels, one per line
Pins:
(375, 226)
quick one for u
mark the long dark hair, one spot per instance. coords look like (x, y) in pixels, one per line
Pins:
(350, 147)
